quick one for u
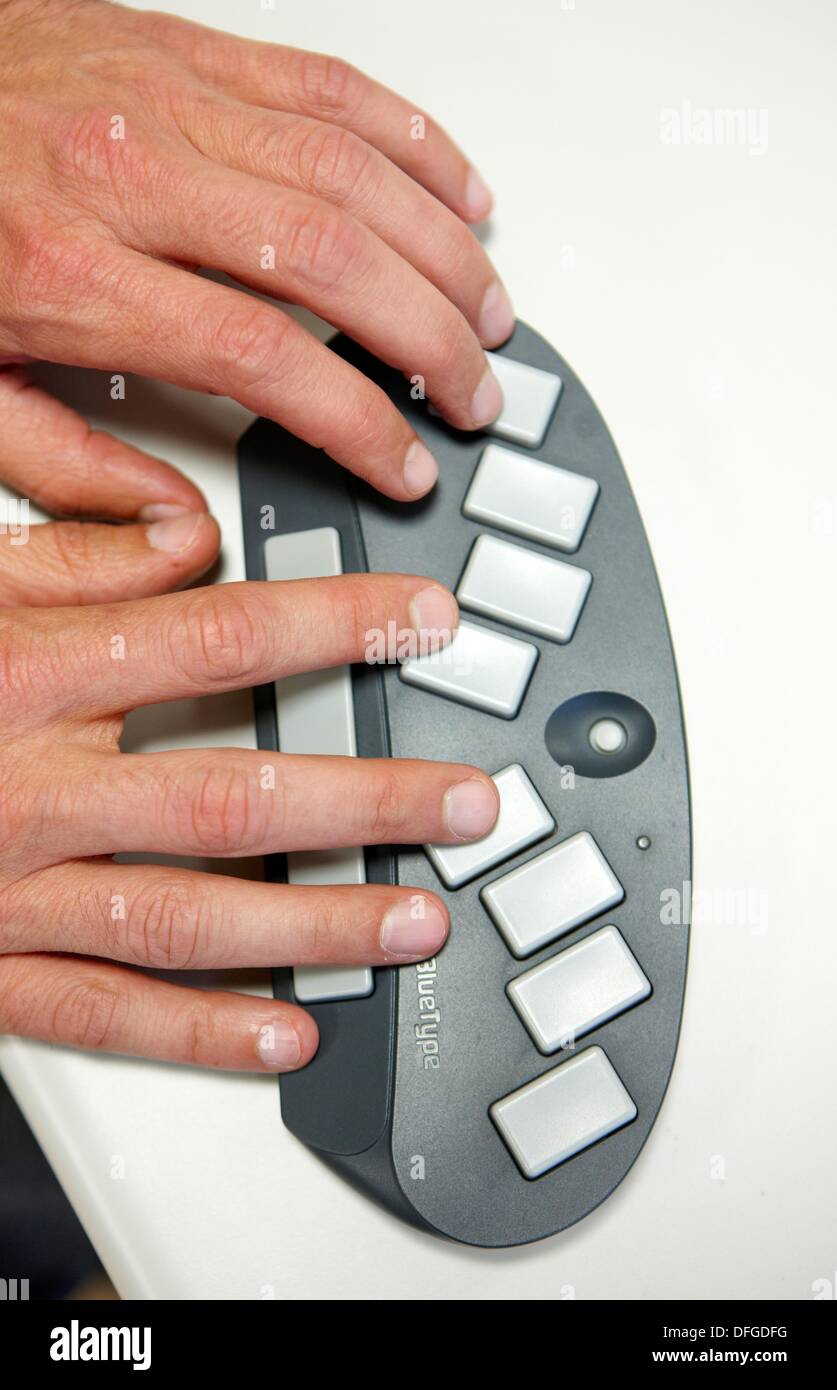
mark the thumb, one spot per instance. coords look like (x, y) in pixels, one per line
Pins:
(49, 454)
(74, 562)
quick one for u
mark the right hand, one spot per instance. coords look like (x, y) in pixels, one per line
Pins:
(70, 800)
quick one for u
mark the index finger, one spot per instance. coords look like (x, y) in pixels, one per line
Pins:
(116, 657)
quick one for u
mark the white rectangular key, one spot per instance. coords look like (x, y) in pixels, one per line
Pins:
(479, 667)
(579, 989)
(315, 714)
(522, 819)
(523, 588)
(562, 1112)
(552, 893)
(531, 498)
(530, 395)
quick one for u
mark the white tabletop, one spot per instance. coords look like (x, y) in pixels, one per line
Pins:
(692, 287)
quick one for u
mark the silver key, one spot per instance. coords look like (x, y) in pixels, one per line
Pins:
(529, 398)
(479, 667)
(549, 895)
(578, 990)
(562, 1112)
(522, 819)
(523, 588)
(533, 499)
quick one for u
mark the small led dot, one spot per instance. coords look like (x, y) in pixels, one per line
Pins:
(608, 736)
(643, 842)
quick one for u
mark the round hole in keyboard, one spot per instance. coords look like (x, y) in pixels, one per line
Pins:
(600, 734)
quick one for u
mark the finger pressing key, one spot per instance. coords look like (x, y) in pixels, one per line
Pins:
(115, 657)
(176, 919)
(236, 802)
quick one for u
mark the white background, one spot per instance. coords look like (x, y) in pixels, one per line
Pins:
(693, 289)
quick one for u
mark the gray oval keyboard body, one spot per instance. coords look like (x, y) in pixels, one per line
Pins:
(496, 1094)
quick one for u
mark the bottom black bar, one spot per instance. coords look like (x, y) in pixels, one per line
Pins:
(219, 1338)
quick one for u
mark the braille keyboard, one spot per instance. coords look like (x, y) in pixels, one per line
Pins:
(500, 1092)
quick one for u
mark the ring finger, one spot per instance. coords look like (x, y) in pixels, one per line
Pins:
(173, 919)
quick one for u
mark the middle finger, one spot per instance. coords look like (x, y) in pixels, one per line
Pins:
(297, 247)
(115, 657)
(235, 802)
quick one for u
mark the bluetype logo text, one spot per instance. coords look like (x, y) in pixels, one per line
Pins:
(78, 1343)
(427, 1028)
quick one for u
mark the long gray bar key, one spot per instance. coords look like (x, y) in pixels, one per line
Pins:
(315, 714)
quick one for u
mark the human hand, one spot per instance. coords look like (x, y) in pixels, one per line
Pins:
(50, 456)
(71, 799)
(137, 146)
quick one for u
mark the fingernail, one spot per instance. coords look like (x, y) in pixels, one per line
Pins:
(415, 927)
(470, 808)
(479, 200)
(487, 401)
(434, 611)
(158, 511)
(420, 469)
(279, 1044)
(496, 317)
(174, 533)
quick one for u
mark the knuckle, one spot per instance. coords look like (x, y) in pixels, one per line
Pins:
(374, 427)
(202, 1046)
(329, 85)
(87, 157)
(47, 273)
(75, 489)
(246, 342)
(451, 345)
(81, 141)
(86, 1013)
(319, 933)
(359, 610)
(75, 557)
(221, 810)
(457, 251)
(321, 246)
(222, 636)
(333, 161)
(167, 925)
(386, 813)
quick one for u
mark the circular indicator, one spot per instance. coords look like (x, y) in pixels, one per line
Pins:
(602, 733)
(643, 842)
(608, 736)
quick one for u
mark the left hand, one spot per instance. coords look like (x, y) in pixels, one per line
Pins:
(51, 456)
(138, 146)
